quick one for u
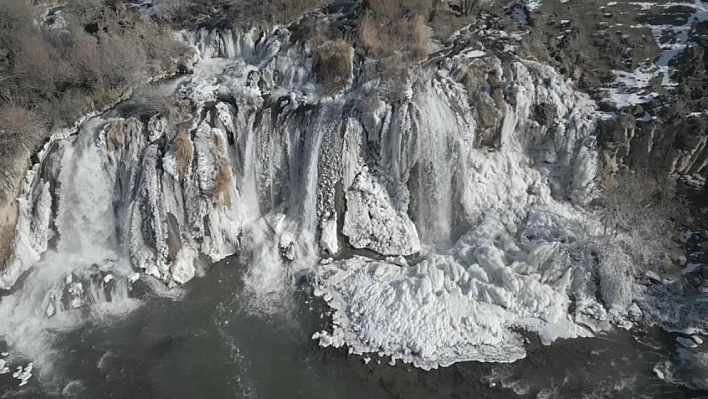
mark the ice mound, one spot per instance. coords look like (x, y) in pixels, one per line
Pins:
(438, 312)
(522, 204)
(465, 305)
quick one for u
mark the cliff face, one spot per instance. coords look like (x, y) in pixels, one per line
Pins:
(676, 151)
(643, 63)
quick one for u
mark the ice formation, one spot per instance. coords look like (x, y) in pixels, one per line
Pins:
(519, 204)
(479, 173)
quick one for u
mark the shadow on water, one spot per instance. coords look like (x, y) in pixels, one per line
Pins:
(205, 345)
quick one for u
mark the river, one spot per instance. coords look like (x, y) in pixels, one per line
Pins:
(207, 344)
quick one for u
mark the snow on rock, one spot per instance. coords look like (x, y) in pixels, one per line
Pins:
(3, 367)
(659, 374)
(372, 223)
(329, 242)
(23, 374)
(686, 342)
(532, 5)
(182, 268)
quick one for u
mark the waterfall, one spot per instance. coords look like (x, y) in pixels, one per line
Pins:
(263, 162)
(85, 272)
(444, 137)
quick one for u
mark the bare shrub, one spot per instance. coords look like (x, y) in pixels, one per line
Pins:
(184, 152)
(220, 146)
(420, 38)
(38, 65)
(15, 18)
(115, 135)
(221, 193)
(7, 242)
(468, 6)
(394, 33)
(643, 206)
(87, 11)
(333, 64)
(369, 35)
(110, 62)
(175, 10)
(20, 130)
(395, 26)
(64, 110)
(285, 11)
(159, 45)
(10, 172)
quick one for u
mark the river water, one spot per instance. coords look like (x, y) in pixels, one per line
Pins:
(207, 344)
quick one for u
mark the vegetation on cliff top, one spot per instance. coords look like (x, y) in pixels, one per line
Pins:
(59, 63)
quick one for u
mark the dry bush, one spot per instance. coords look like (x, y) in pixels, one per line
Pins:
(394, 33)
(64, 110)
(468, 6)
(38, 66)
(15, 19)
(115, 135)
(20, 130)
(220, 145)
(7, 242)
(395, 26)
(369, 35)
(109, 63)
(221, 194)
(642, 205)
(9, 173)
(87, 11)
(178, 10)
(286, 11)
(333, 64)
(184, 152)
(420, 38)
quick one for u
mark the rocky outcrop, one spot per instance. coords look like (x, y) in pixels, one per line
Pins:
(643, 64)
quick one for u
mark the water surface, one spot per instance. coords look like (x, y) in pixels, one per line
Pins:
(209, 344)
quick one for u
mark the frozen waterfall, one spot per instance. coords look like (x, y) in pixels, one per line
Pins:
(260, 161)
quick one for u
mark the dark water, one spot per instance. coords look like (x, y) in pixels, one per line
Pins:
(207, 345)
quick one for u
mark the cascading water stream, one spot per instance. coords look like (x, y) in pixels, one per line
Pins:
(442, 160)
(84, 275)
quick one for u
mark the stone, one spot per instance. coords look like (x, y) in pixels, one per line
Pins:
(686, 342)
(694, 280)
(652, 277)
